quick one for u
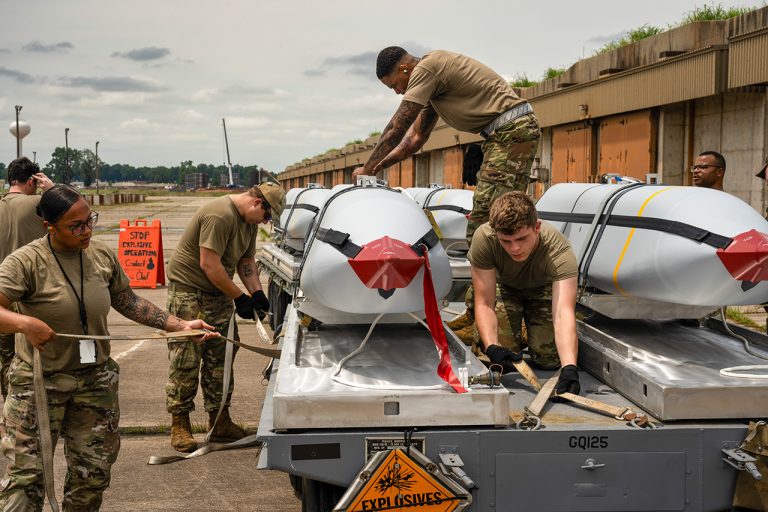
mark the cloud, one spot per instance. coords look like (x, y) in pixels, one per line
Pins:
(112, 84)
(5, 50)
(19, 76)
(361, 64)
(240, 91)
(37, 46)
(144, 54)
(601, 40)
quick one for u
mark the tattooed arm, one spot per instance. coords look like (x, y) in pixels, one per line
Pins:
(140, 310)
(414, 139)
(249, 274)
(393, 134)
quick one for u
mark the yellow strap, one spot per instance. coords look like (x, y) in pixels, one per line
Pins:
(629, 239)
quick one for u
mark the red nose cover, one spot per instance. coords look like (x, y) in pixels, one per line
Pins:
(386, 264)
(746, 257)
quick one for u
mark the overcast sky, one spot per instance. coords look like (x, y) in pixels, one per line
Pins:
(151, 80)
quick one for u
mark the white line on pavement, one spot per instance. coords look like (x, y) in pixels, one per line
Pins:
(126, 352)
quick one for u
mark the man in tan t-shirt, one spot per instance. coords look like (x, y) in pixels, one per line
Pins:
(535, 268)
(468, 96)
(218, 241)
(19, 225)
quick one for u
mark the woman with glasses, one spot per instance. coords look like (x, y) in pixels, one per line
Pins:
(66, 282)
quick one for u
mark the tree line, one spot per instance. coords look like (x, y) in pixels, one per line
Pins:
(83, 167)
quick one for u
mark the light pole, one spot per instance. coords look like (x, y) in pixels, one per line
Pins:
(97, 167)
(66, 156)
(34, 157)
(18, 138)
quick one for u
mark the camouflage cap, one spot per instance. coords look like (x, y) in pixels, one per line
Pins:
(275, 196)
(761, 174)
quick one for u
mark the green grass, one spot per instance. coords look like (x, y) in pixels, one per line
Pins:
(713, 12)
(633, 36)
(740, 318)
(552, 73)
(522, 81)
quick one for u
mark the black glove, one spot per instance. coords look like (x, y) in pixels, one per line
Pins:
(503, 357)
(568, 381)
(244, 307)
(260, 303)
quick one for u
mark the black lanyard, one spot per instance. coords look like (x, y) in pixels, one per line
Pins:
(81, 297)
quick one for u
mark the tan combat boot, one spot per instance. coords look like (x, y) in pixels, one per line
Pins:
(181, 433)
(225, 430)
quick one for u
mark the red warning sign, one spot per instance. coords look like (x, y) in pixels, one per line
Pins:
(400, 482)
(140, 252)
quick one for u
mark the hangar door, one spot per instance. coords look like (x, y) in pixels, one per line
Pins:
(628, 144)
(571, 153)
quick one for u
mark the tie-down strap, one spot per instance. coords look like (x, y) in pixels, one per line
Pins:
(341, 241)
(672, 227)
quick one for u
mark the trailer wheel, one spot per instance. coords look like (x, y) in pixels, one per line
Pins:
(319, 496)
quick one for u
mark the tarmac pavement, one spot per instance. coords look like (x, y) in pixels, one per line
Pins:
(217, 481)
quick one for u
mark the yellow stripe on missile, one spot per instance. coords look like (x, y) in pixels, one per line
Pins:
(629, 239)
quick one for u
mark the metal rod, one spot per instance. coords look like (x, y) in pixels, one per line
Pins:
(18, 135)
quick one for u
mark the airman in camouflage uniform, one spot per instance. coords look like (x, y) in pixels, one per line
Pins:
(190, 359)
(90, 430)
(538, 334)
(507, 161)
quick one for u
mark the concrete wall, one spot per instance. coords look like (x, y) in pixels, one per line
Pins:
(671, 152)
(734, 124)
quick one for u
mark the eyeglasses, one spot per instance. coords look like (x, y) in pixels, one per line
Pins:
(79, 228)
(267, 209)
(703, 166)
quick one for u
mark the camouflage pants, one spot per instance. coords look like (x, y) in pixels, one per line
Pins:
(534, 306)
(192, 364)
(7, 351)
(84, 410)
(507, 160)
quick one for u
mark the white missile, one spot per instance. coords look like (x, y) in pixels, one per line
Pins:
(365, 253)
(680, 245)
(301, 208)
(450, 207)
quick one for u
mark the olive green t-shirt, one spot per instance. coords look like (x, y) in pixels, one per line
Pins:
(31, 277)
(465, 93)
(19, 223)
(552, 260)
(217, 226)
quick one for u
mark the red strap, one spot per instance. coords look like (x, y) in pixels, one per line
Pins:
(435, 323)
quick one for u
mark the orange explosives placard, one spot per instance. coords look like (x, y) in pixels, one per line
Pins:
(399, 483)
(140, 252)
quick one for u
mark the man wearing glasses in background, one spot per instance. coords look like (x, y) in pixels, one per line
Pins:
(708, 170)
(219, 240)
(19, 225)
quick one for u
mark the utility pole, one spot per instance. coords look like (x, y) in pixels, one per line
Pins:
(67, 178)
(97, 167)
(18, 137)
(34, 157)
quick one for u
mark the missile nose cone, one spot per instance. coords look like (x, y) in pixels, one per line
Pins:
(386, 264)
(746, 257)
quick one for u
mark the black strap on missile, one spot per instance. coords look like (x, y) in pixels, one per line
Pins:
(306, 206)
(340, 241)
(430, 240)
(451, 207)
(652, 223)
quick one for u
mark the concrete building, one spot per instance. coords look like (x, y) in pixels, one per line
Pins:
(646, 108)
